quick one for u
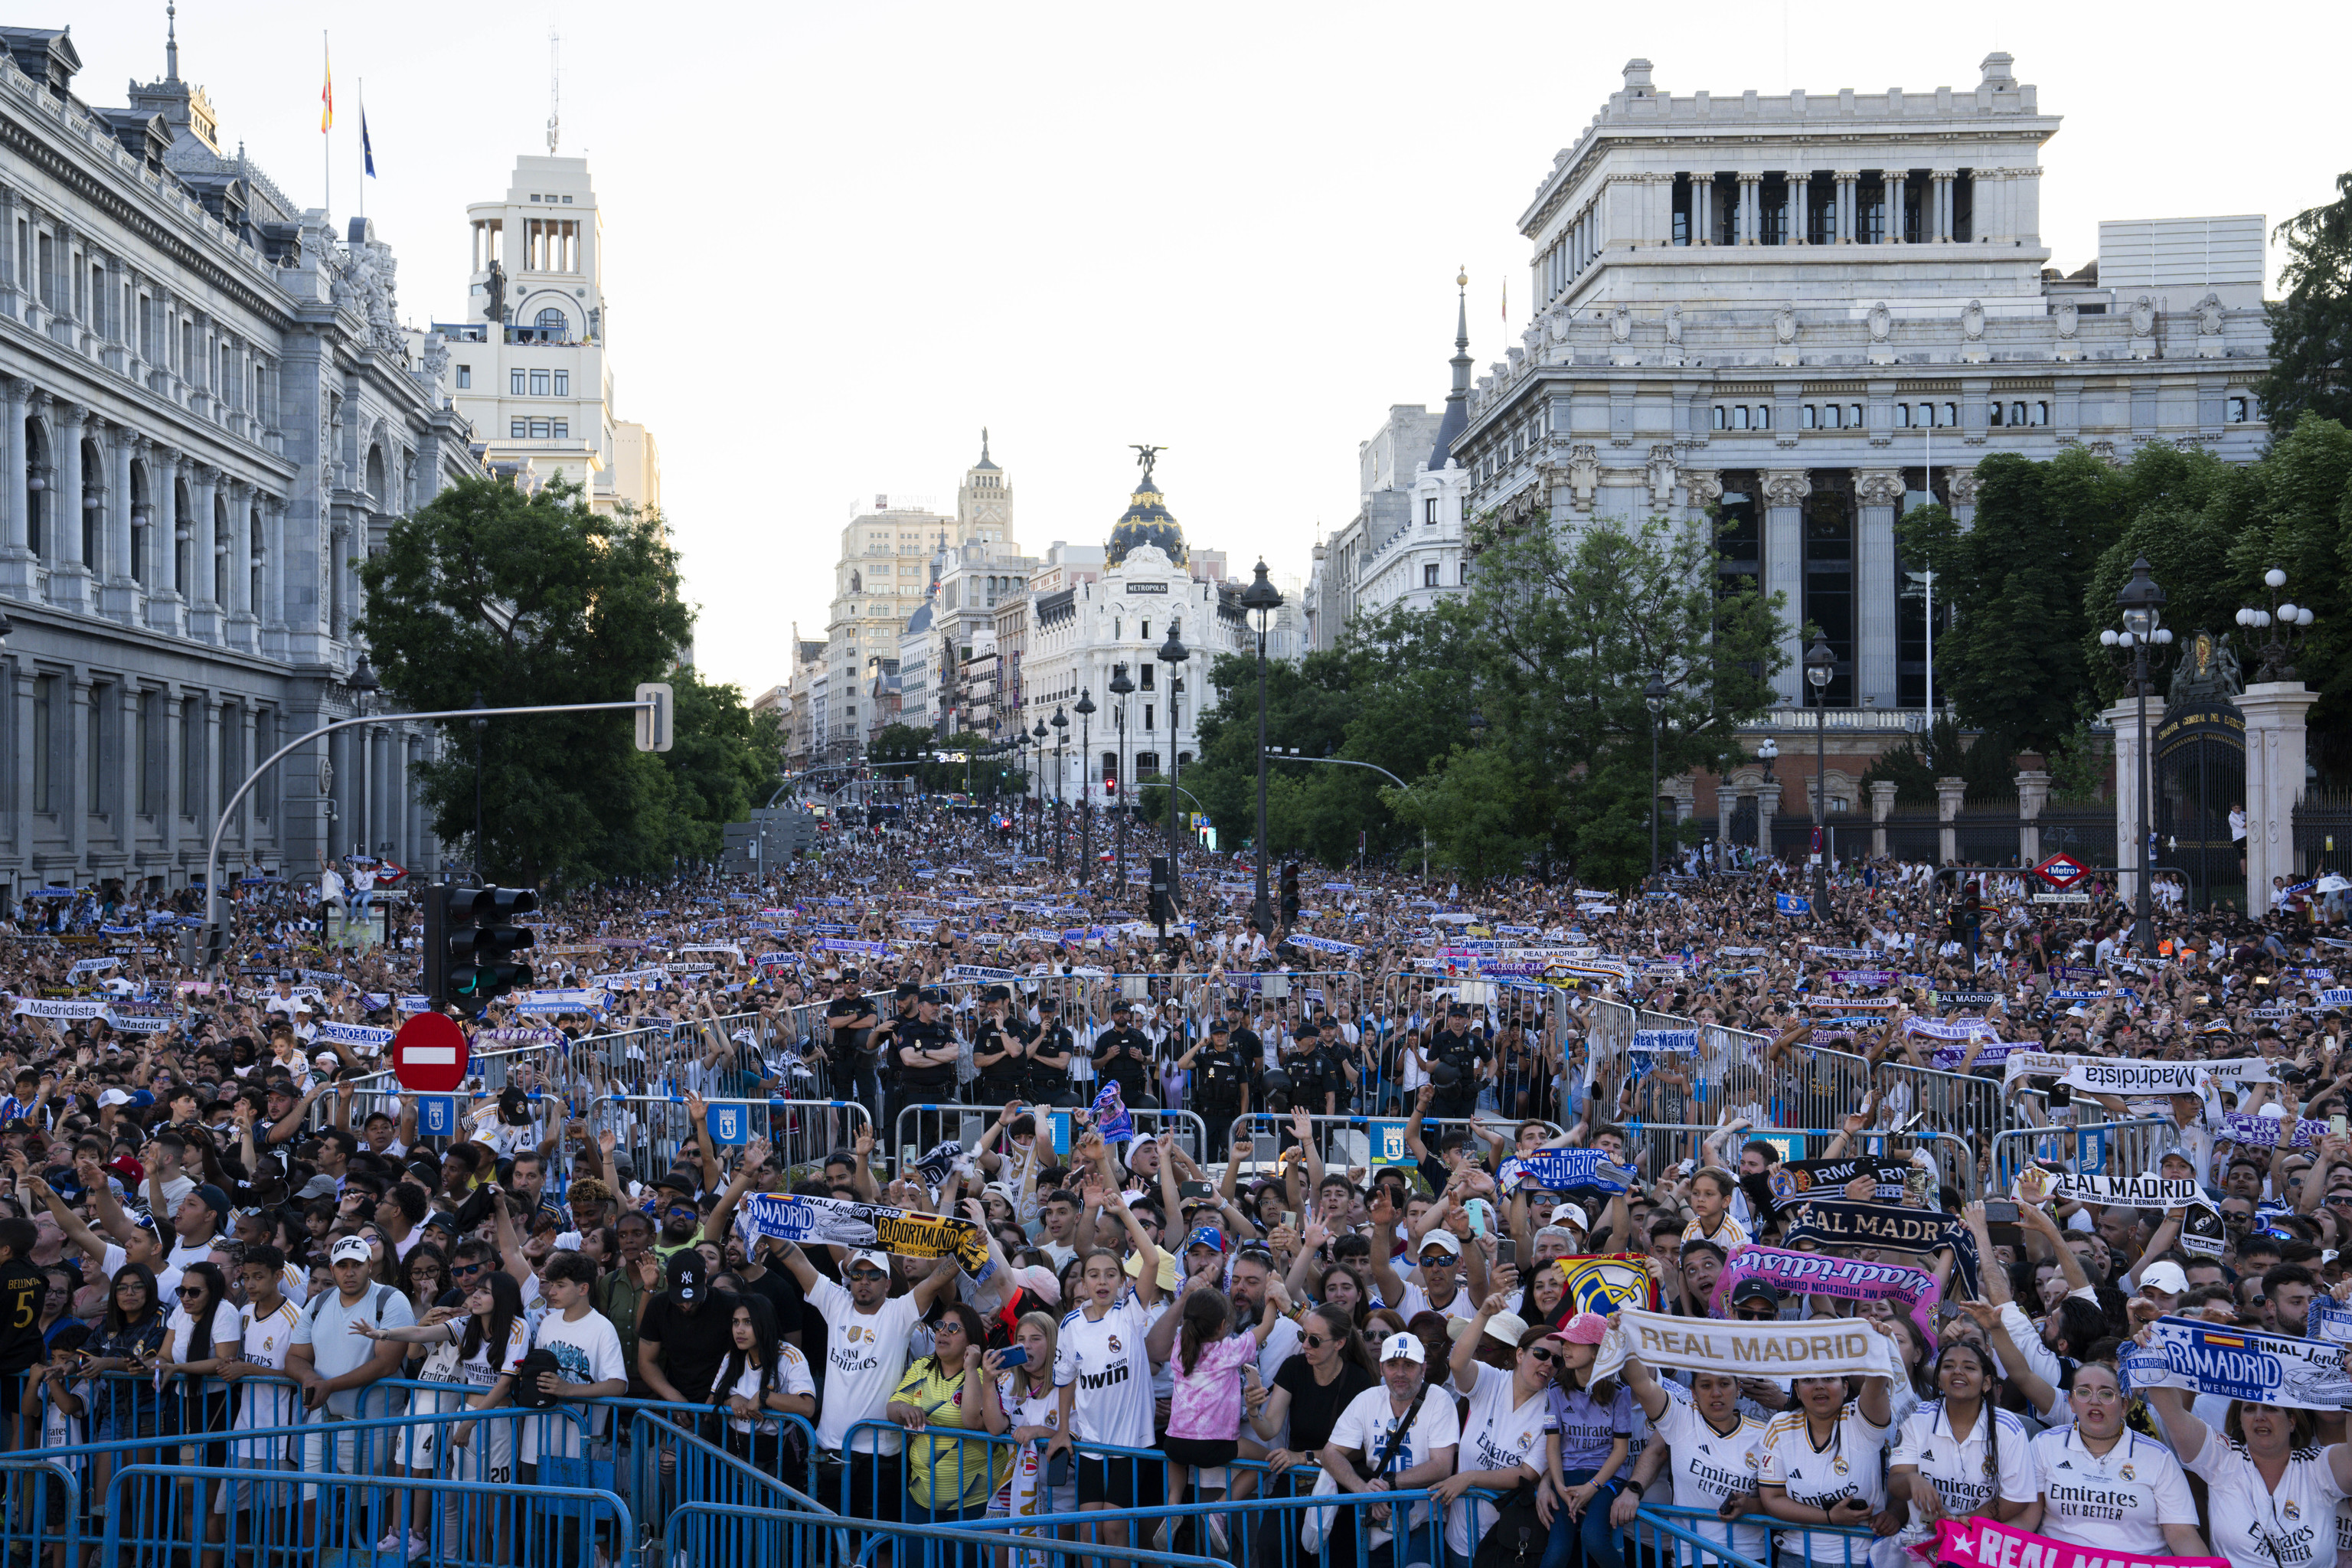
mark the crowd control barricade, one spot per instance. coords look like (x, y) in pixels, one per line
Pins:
(2092, 1149)
(152, 1510)
(652, 1129)
(1250, 1532)
(1668, 1537)
(1950, 1101)
(921, 1128)
(780, 1538)
(1368, 1143)
(676, 1455)
(41, 1507)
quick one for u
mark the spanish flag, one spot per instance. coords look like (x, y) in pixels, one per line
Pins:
(327, 90)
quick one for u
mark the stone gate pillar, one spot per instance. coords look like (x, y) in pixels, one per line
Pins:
(2276, 750)
(2131, 830)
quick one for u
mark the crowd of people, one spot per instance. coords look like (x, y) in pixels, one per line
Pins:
(1350, 1205)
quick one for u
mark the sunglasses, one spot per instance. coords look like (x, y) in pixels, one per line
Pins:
(1314, 1341)
(467, 1270)
(1428, 1258)
(865, 1274)
(189, 1292)
(1757, 1312)
(1543, 1355)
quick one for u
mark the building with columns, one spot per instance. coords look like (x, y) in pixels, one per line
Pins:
(1804, 314)
(213, 413)
(1405, 545)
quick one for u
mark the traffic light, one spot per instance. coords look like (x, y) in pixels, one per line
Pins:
(1162, 910)
(1290, 894)
(470, 939)
(1110, 785)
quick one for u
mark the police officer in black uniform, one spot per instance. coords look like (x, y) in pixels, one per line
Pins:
(1453, 1045)
(1221, 1080)
(1049, 1055)
(1123, 1054)
(998, 1050)
(924, 1050)
(1245, 1039)
(850, 1022)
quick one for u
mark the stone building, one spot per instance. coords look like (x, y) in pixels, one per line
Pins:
(1805, 314)
(213, 414)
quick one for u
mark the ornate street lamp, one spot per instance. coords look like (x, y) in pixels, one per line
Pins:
(1260, 599)
(1653, 698)
(2286, 624)
(1174, 654)
(1061, 771)
(2142, 602)
(1085, 713)
(1120, 688)
(1820, 666)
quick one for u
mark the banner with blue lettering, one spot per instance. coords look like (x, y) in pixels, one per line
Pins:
(1790, 904)
(2240, 1363)
(1567, 1169)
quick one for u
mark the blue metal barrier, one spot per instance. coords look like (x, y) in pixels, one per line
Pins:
(158, 1515)
(1665, 1537)
(40, 1508)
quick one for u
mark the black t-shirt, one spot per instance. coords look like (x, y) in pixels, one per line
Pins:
(1315, 1407)
(1221, 1075)
(848, 1040)
(694, 1345)
(23, 1289)
(1121, 1054)
(914, 1035)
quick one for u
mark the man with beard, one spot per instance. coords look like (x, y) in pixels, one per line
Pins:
(679, 1222)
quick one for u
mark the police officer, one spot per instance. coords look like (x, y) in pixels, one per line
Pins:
(998, 1050)
(1123, 1054)
(1453, 1045)
(924, 1050)
(850, 1022)
(1245, 1039)
(1049, 1055)
(1221, 1079)
(1336, 1064)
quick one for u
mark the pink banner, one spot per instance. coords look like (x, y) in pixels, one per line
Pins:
(1983, 1543)
(1825, 1274)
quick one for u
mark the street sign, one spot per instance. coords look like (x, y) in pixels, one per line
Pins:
(428, 1055)
(2061, 871)
(654, 721)
(730, 1123)
(436, 1115)
(2062, 898)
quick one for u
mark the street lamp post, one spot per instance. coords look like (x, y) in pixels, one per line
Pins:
(1820, 664)
(1037, 791)
(1120, 686)
(2142, 602)
(1085, 713)
(1061, 771)
(1174, 654)
(1260, 599)
(480, 725)
(1654, 697)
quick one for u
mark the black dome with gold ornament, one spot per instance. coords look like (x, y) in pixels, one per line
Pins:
(1147, 521)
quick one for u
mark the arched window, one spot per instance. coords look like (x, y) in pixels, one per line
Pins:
(554, 321)
(376, 474)
(37, 482)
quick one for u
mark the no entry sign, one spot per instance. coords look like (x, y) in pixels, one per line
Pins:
(428, 1055)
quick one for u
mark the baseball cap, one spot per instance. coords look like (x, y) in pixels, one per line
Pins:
(1508, 1326)
(1755, 1290)
(1585, 1329)
(112, 1097)
(1439, 1241)
(1167, 1280)
(2164, 1275)
(687, 1274)
(349, 1249)
(318, 1187)
(1207, 1236)
(879, 1260)
(1403, 1347)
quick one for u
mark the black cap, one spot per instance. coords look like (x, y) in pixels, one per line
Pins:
(1122, 1005)
(688, 1277)
(1219, 1027)
(932, 994)
(1755, 1290)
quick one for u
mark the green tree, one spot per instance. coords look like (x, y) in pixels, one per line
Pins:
(723, 761)
(2310, 329)
(531, 598)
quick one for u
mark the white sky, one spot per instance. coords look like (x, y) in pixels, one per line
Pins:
(841, 238)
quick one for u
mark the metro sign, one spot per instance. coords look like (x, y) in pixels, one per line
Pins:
(2061, 871)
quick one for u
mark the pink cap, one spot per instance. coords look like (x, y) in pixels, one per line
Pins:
(1585, 1329)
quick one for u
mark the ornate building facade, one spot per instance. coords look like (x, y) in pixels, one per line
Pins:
(1806, 314)
(213, 413)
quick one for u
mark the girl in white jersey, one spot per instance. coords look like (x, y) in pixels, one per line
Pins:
(2108, 1489)
(1028, 1408)
(1958, 1456)
(1820, 1462)
(1716, 1450)
(1104, 1370)
(2272, 1491)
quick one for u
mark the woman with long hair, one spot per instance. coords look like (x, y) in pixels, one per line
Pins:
(424, 1275)
(2134, 1500)
(1505, 1444)
(762, 1378)
(477, 1349)
(1341, 1285)
(204, 1331)
(1960, 1455)
(1713, 1447)
(1333, 1366)
(948, 1478)
(1029, 1410)
(1544, 1298)
(121, 1357)
(1819, 1462)
(2264, 1470)
(1593, 1425)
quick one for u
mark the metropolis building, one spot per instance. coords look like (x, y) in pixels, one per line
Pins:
(213, 414)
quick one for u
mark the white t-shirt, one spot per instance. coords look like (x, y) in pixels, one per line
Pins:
(1496, 1435)
(263, 1401)
(1416, 1301)
(167, 1278)
(2288, 1526)
(1708, 1466)
(2114, 1501)
(1966, 1476)
(181, 1328)
(1848, 1467)
(586, 1351)
(1369, 1419)
(792, 1377)
(865, 1359)
(1112, 1370)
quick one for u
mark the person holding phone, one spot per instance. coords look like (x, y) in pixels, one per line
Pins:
(1715, 1447)
(1029, 1408)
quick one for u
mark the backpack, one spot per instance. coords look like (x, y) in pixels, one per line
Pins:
(1518, 1536)
(383, 1293)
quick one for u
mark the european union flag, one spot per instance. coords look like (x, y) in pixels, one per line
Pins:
(1790, 904)
(367, 148)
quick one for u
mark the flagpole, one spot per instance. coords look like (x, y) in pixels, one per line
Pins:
(326, 119)
(363, 146)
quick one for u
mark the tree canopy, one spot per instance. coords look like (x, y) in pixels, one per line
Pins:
(2311, 328)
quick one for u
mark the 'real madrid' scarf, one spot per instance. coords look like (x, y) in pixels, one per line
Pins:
(1888, 1228)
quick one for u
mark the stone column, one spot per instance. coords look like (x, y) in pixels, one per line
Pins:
(1961, 484)
(117, 595)
(15, 555)
(1800, 208)
(68, 573)
(1878, 492)
(1751, 193)
(1785, 491)
(71, 790)
(2131, 828)
(1702, 209)
(1849, 181)
(1882, 806)
(1940, 184)
(130, 771)
(171, 808)
(2032, 795)
(1949, 793)
(237, 594)
(1896, 184)
(2275, 747)
(204, 593)
(1767, 806)
(1726, 804)
(247, 819)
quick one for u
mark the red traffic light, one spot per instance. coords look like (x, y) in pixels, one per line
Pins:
(1111, 786)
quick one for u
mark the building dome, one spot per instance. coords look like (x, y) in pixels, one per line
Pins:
(1147, 521)
(921, 621)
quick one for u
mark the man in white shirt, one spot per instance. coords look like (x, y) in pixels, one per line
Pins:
(330, 890)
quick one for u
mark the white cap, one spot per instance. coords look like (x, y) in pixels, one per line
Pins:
(1442, 1239)
(1396, 1347)
(2164, 1275)
(112, 1097)
(871, 1259)
(351, 1249)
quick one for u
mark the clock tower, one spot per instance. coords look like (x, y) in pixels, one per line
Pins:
(984, 505)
